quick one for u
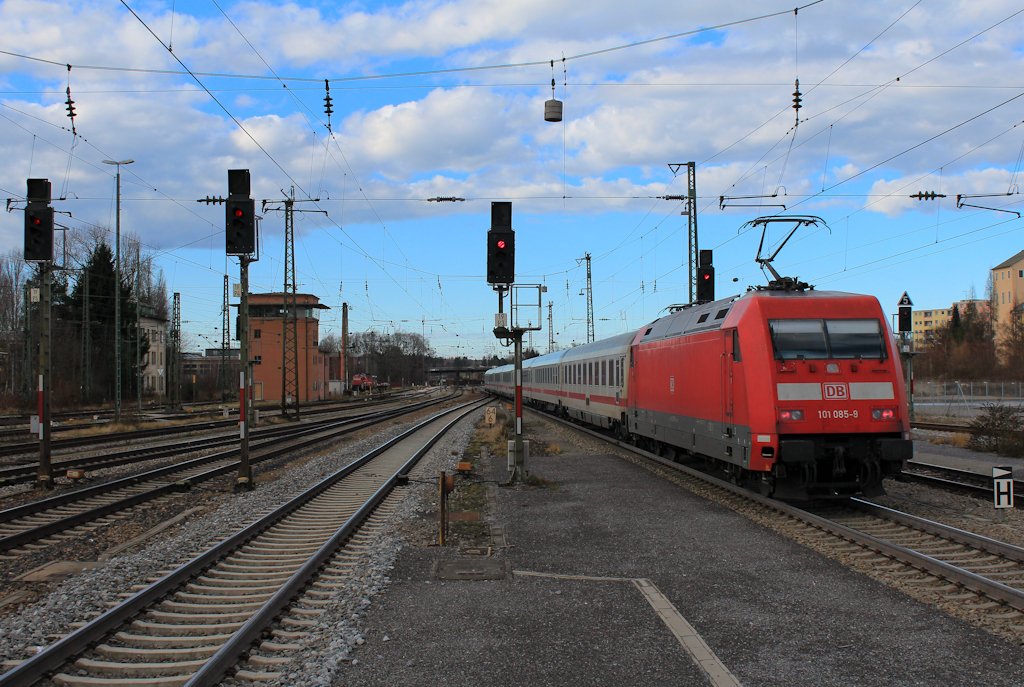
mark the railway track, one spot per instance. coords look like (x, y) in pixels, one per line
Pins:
(20, 423)
(47, 521)
(58, 444)
(26, 471)
(954, 479)
(950, 565)
(943, 427)
(258, 588)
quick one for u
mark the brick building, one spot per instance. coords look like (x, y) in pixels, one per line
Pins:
(266, 336)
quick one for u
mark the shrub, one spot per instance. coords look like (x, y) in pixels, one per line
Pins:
(998, 428)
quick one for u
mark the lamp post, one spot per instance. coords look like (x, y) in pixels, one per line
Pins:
(117, 290)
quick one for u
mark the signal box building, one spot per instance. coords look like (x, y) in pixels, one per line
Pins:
(266, 337)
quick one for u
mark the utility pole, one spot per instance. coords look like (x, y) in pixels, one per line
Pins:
(551, 329)
(28, 339)
(590, 300)
(174, 355)
(290, 339)
(225, 343)
(39, 249)
(45, 468)
(138, 323)
(691, 218)
(344, 347)
(117, 290)
(244, 377)
(86, 341)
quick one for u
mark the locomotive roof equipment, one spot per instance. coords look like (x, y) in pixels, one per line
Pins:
(781, 283)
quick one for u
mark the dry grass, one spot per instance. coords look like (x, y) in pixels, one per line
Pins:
(114, 427)
(959, 440)
(495, 437)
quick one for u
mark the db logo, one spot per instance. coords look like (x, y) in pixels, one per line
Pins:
(835, 392)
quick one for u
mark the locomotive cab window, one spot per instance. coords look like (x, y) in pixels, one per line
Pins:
(855, 339)
(823, 339)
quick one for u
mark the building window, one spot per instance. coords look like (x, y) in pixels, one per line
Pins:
(257, 360)
(256, 333)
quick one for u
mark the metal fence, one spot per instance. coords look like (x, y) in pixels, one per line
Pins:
(963, 398)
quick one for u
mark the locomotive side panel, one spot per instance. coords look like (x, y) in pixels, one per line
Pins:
(679, 398)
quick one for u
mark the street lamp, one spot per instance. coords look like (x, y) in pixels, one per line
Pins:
(117, 290)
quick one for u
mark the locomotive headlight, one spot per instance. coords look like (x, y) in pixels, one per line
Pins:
(883, 413)
(791, 415)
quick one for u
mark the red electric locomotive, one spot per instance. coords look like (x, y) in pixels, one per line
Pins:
(801, 391)
(795, 391)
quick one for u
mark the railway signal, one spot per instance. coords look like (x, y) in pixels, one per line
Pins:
(905, 306)
(39, 248)
(240, 215)
(38, 222)
(705, 278)
(501, 245)
(240, 240)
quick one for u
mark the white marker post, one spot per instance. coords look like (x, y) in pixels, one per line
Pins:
(1002, 487)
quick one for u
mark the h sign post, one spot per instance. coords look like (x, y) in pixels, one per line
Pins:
(1002, 487)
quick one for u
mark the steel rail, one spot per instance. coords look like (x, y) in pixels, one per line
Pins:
(944, 427)
(75, 442)
(977, 541)
(983, 487)
(218, 665)
(27, 472)
(294, 430)
(38, 532)
(994, 590)
(54, 656)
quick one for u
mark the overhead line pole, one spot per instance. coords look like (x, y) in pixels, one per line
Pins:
(290, 337)
(691, 217)
(117, 290)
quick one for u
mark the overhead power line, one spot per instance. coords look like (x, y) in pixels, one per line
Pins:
(428, 72)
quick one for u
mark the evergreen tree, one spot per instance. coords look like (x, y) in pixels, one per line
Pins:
(96, 285)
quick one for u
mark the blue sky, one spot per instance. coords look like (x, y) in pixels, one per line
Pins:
(587, 185)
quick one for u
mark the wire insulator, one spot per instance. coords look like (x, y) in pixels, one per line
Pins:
(327, 103)
(71, 110)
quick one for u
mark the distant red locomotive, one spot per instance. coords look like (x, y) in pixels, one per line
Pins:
(363, 382)
(797, 392)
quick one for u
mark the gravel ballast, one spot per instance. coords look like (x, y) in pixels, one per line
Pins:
(87, 594)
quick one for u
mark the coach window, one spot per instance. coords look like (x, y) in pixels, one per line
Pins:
(590, 373)
(604, 373)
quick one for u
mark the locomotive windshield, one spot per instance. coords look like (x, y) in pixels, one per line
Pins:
(826, 339)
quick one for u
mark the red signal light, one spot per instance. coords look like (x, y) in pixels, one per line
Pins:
(238, 212)
(706, 277)
(501, 244)
(36, 220)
